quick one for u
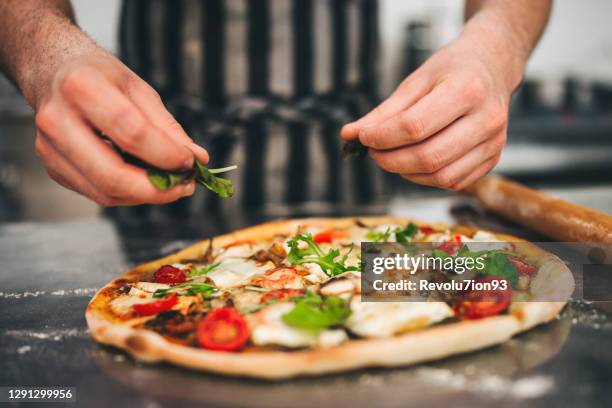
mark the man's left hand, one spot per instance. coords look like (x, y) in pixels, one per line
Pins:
(445, 125)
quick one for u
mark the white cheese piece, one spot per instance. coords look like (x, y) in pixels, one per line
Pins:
(388, 228)
(339, 286)
(123, 304)
(146, 289)
(268, 328)
(384, 319)
(485, 241)
(150, 287)
(235, 272)
(316, 274)
(238, 251)
(437, 237)
(180, 266)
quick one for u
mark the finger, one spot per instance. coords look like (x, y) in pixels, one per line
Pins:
(146, 98)
(477, 174)
(64, 173)
(410, 90)
(450, 176)
(436, 110)
(98, 163)
(440, 150)
(108, 110)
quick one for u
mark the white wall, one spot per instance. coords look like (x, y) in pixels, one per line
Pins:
(100, 19)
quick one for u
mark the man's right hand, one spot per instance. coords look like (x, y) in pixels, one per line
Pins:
(95, 93)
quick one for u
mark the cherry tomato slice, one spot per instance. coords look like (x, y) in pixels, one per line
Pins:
(223, 329)
(426, 230)
(477, 304)
(158, 306)
(521, 265)
(238, 243)
(170, 275)
(451, 246)
(328, 236)
(280, 295)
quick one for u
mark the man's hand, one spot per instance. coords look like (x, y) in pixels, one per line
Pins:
(445, 125)
(98, 93)
(80, 91)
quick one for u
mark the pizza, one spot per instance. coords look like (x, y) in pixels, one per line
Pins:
(283, 299)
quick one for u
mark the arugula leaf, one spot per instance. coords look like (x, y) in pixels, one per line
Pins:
(377, 236)
(402, 235)
(187, 289)
(497, 264)
(203, 270)
(314, 313)
(165, 180)
(405, 235)
(205, 177)
(314, 254)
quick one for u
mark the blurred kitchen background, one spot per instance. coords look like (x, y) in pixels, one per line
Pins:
(560, 135)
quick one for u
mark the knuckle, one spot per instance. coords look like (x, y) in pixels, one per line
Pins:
(443, 179)
(414, 127)
(473, 89)
(497, 146)
(385, 161)
(111, 184)
(45, 119)
(497, 118)
(429, 160)
(131, 127)
(134, 85)
(72, 83)
(372, 138)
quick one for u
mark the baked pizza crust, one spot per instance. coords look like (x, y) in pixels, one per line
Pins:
(428, 344)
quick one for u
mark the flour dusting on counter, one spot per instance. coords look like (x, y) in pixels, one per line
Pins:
(53, 335)
(490, 386)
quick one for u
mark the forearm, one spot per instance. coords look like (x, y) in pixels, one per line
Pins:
(508, 29)
(36, 36)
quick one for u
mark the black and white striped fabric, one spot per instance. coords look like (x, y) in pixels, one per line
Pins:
(265, 84)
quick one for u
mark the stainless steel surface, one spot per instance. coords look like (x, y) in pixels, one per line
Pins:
(51, 270)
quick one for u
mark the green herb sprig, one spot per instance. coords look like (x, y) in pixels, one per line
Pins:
(315, 313)
(202, 270)
(187, 289)
(402, 235)
(314, 254)
(165, 180)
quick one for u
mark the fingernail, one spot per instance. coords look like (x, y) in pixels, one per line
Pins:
(201, 152)
(190, 162)
(188, 189)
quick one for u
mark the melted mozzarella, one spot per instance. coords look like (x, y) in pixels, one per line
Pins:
(383, 319)
(123, 304)
(146, 289)
(238, 251)
(484, 241)
(268, 328)
(236, 271)
(316, 274)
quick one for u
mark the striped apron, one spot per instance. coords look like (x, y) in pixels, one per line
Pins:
(265, 84)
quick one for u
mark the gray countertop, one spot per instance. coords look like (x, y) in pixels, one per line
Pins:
(51, 270)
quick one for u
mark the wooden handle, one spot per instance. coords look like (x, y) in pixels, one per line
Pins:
(550, 216)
